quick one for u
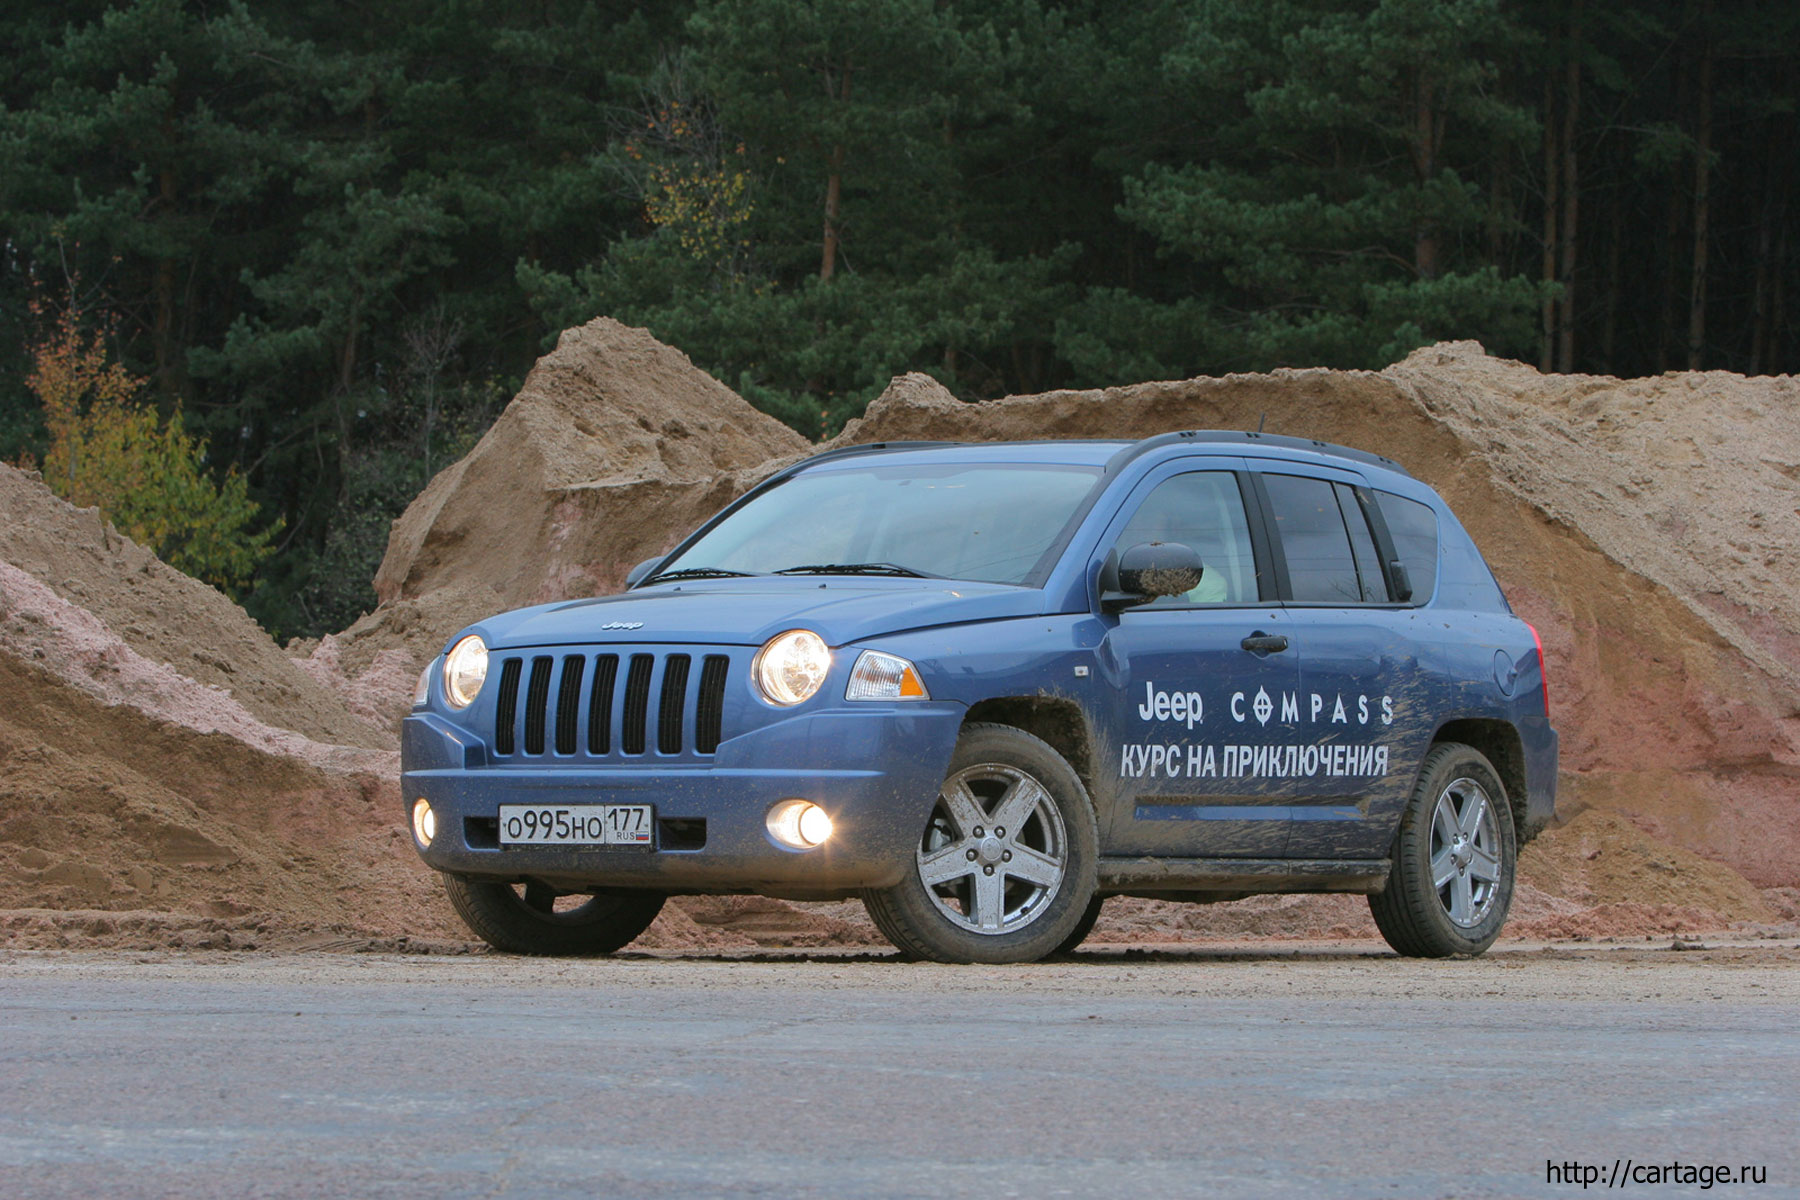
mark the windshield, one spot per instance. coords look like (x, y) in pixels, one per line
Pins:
(979, 521)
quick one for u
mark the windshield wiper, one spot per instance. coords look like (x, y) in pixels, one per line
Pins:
(872, 568)
(695, 573)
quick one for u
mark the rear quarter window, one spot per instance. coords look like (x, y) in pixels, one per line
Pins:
(1414, 528)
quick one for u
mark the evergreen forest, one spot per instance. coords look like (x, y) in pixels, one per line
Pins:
(304, 251)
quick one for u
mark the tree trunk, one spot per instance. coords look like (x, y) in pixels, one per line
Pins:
(834, 181)
(1499, 202)
(1696, 339)
(833, 192)
(1428, 135)
(162, 335)
(1609, 329)
(1672, 257)
(1571, 196)
(1547, 351)
(1778, 157)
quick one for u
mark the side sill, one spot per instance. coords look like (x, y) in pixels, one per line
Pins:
(1246, 875)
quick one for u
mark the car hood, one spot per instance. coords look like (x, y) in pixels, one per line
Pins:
(750, 612)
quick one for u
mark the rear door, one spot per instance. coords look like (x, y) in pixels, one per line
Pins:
(1204, 685)
(1357, 661)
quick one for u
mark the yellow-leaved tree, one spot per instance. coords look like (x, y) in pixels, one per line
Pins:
(147, 476)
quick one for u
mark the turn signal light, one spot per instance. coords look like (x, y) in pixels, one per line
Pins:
(879, 676)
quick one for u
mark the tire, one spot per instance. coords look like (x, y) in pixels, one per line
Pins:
(1083, 927)
(999, 895)
(524, 919)
(1457, 831)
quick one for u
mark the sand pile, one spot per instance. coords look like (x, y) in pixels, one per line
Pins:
(170, 777)
(167, 775)
(137, 605)
(1644, 526)
(1662, 580)
(615, 446)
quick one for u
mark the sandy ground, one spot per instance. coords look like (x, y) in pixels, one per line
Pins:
(1318, 1069)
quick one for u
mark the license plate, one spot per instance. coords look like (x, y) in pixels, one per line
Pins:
(575, 824)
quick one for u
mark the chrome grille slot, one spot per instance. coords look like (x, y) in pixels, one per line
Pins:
(537, 697)
(710, 715)
(507, 709)
(600, 704)
(674, 702)
(568, 702)
(637, 703)
(544, 702)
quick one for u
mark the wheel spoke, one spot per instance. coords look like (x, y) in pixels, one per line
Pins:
(1474, 809)
(990, 901)
(1017, 805)
(941, 866)
(1443, 868)
(1462, 900)
(1485, 866)
(1033, 866)
(1443, 819)
(962, 806)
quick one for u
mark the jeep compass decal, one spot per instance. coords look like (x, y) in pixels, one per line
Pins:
(1206, 761)
(1184, 760)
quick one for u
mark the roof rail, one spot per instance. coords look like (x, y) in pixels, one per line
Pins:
(872, 448)
(1251, 438)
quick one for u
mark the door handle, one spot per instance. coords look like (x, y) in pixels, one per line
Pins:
(1264, 643)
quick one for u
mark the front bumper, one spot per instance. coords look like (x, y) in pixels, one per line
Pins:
(875, 772)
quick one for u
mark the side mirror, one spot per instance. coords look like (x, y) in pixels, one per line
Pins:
(638, 573)
(1146, 571)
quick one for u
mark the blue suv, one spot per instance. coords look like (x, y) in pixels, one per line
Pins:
(984, 686)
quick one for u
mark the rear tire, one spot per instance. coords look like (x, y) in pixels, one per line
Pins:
(1454, 859)
(524, 919)
(1004, 867)
(1083, 927)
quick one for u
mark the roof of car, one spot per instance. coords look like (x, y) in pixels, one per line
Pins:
(1109, 453)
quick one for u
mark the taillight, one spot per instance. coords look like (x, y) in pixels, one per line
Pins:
(1542, 674)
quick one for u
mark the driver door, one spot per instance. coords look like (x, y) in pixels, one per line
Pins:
(1207, 688)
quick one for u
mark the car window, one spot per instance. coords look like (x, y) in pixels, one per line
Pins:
(1321, 566)
(994, 522)
(1203, 510)
(1413, 526)
(1362, 543)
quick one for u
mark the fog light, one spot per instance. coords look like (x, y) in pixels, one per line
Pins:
(424, 822)
(800, 824)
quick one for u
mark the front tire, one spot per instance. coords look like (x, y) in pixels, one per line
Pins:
(533, 918)
(1454, 859)
(1004, 868)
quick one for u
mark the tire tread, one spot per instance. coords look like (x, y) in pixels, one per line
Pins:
(885, 906)
(494, 919)
(1401, 912)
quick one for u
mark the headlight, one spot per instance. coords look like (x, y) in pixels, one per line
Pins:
(465, 669)
(792, 666)
(879, 676)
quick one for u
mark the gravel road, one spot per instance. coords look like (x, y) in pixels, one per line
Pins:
(1238, 1071)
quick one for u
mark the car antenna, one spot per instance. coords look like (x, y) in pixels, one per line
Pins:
(1261, 419)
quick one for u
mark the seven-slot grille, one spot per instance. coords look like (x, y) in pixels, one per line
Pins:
(610, 703)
